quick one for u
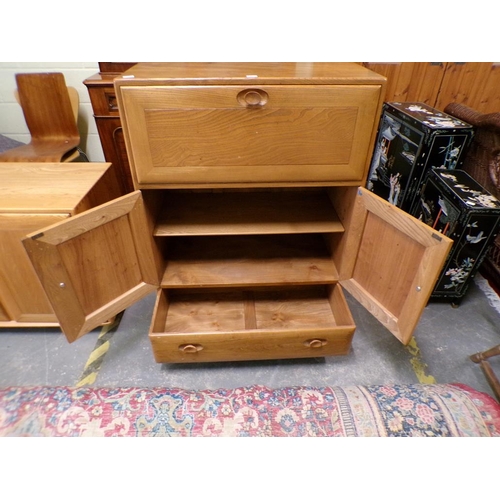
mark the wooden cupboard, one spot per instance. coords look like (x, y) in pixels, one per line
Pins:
(247, 218)
(33, 196)
(107, 118)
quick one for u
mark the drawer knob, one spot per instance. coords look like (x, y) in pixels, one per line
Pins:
(252, 98)
(190, 348)
(315, 343)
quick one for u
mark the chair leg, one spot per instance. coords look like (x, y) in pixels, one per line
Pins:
(492, 379)
(494, 351)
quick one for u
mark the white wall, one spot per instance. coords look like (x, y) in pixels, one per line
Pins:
(12, 122)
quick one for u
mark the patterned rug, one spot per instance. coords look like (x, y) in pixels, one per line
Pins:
(389, 410)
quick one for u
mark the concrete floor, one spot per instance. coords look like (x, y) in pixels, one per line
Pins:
(443, 341)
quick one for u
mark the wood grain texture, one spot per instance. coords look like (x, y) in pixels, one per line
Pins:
(474, 84)
(23, 298)
(303, 133)
(96, 264)
(50, 119)
(244, 260)
(288, 323)
(411, 81)
(220, 73)
(47, 187)
(34, 196)
(397, 265)
(250, 212)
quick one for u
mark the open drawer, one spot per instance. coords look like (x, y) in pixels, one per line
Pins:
(265, 323)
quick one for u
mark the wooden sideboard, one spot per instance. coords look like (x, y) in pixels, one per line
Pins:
(34, 195)
(248, 220)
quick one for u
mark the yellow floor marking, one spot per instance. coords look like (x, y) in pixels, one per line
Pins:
(90, 379)
(97, 353)
(419, 367)
(93, 364)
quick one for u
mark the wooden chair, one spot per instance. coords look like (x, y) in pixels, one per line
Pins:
(50, 109)
(482, 359)
(482, 162)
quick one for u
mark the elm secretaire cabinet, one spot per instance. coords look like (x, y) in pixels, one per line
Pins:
(247, 219)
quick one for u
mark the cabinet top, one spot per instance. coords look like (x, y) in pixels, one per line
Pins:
(245, 73)
(46, 187)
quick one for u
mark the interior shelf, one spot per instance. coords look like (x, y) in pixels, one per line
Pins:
(292, 259)
(247, 212)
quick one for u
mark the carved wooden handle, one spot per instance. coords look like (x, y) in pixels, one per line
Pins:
(190, 348)
(252, 98)
(315, 343)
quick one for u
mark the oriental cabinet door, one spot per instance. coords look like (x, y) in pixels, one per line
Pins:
(96, 264)
(396, 265)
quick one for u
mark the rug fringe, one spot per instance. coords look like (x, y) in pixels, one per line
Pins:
(486, 288)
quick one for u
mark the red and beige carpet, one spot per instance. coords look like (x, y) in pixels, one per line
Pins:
(388, 410)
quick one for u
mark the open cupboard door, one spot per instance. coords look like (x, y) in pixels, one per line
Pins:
(396, 265)
(96, 264)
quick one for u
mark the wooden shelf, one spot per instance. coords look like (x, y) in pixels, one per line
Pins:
(248, 260)
(250, 212)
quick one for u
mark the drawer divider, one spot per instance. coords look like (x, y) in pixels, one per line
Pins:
(249, 308)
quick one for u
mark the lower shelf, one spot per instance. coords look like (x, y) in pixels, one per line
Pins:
(249, 260)
(300, 322)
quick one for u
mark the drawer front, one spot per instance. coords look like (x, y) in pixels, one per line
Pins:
(224, 135)
(235, 326)
(103, 99)
(241, 346)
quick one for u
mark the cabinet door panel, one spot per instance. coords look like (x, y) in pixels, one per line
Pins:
(397, 264)
(21, 293)
(95, 264)
(217, 135)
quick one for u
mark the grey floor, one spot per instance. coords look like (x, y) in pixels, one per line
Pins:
(443, 342)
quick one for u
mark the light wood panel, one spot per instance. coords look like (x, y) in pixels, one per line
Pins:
(50, 117)
(302, 130)
(251, 212)
(397, 264)
(439, 84)
(47, 187)
(474, 84)
(295, 136)
(21, 294)
(248, 260)
(292, 323)
(411, 81)
(95, 264)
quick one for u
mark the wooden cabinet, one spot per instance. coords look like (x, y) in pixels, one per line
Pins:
(248, 241)
(107, 117)
(34, 196)
(439, 84)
